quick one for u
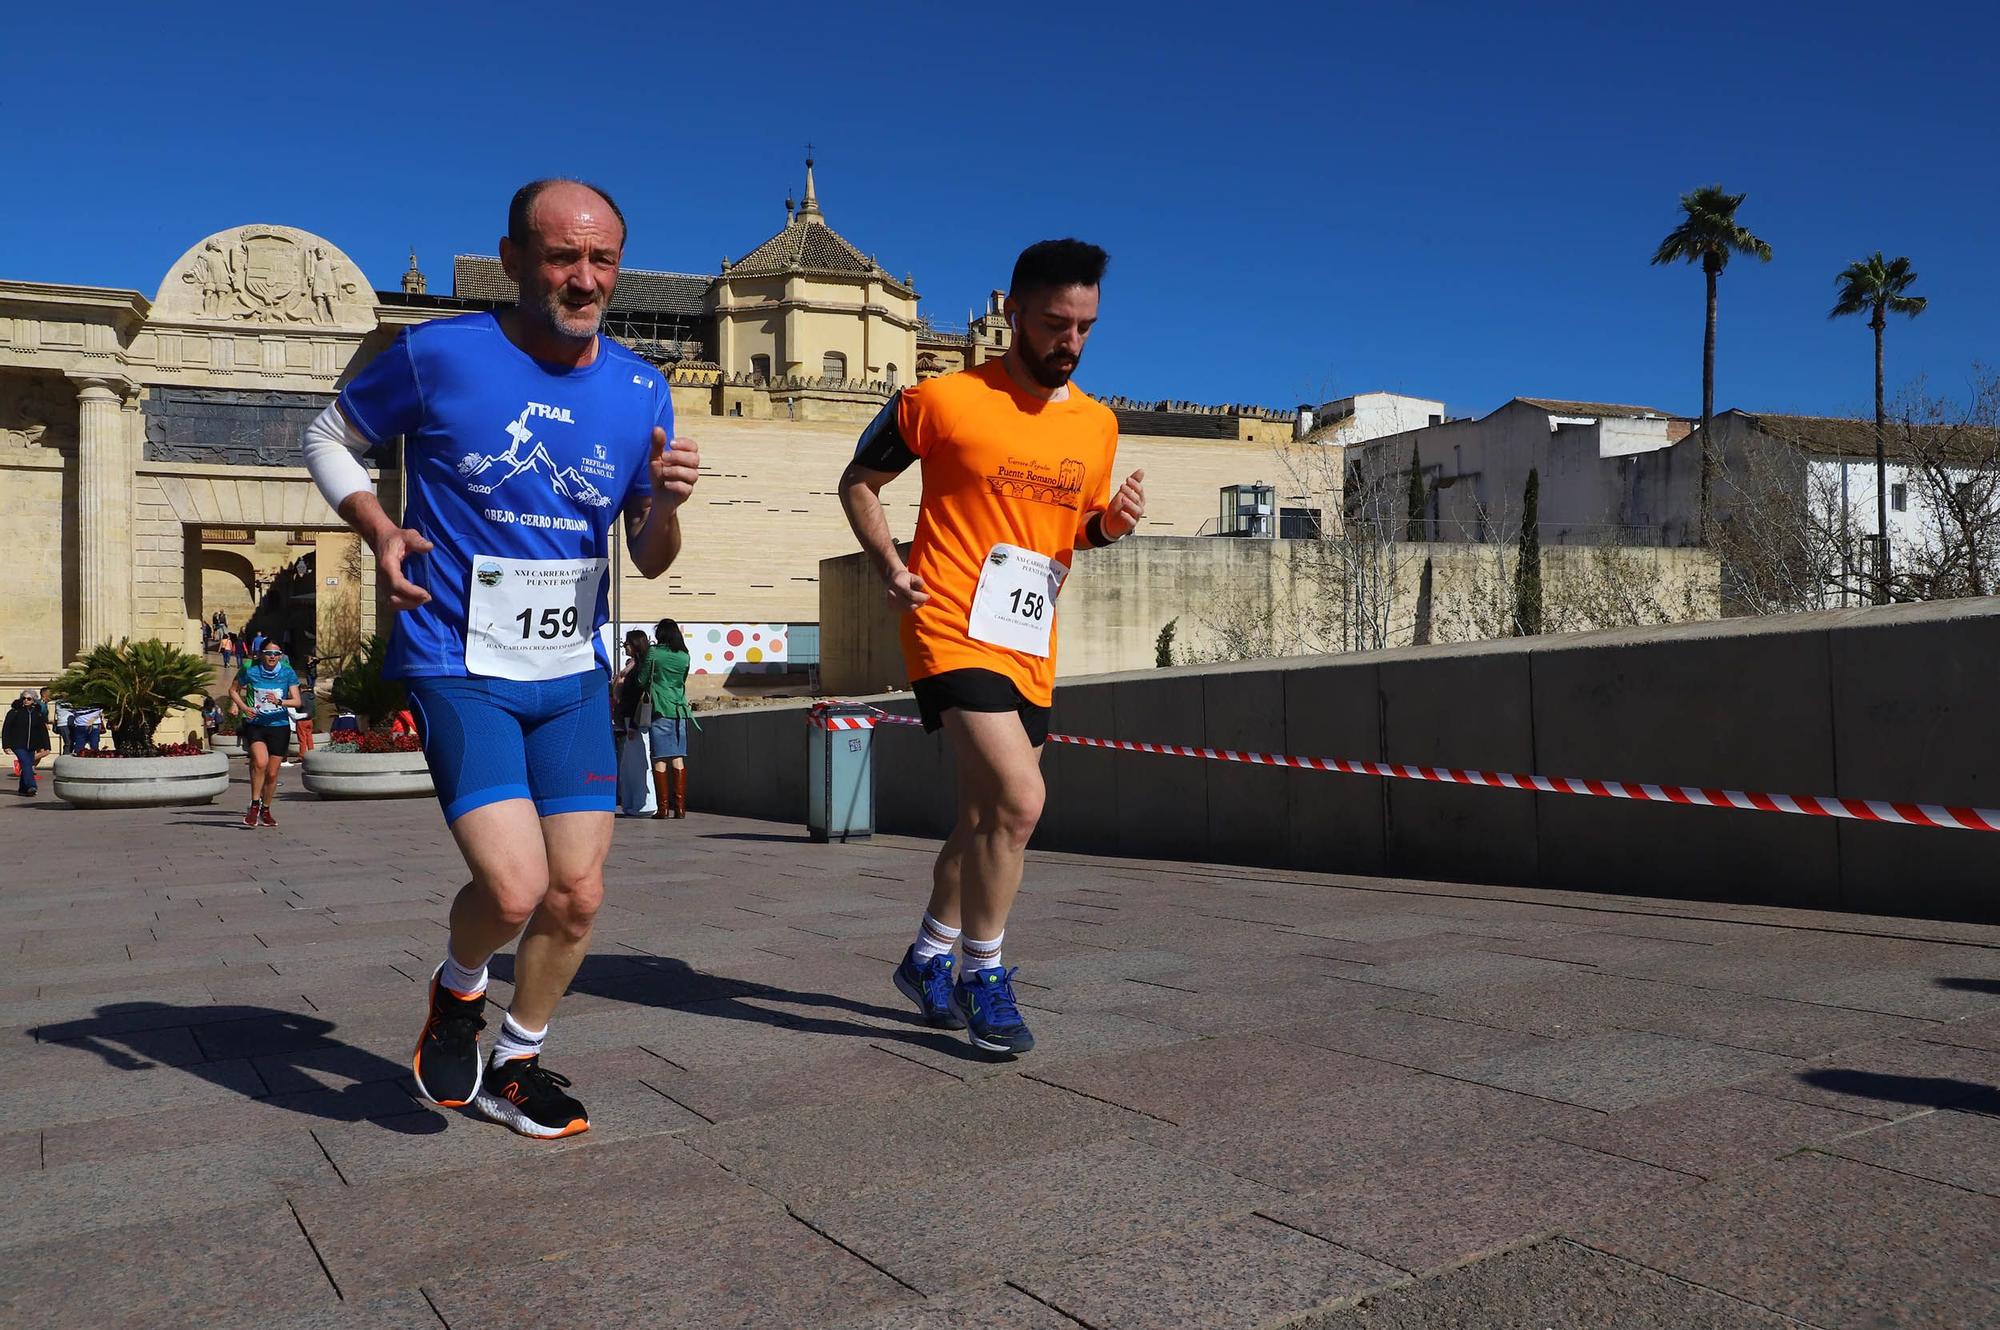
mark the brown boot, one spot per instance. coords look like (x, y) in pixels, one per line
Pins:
(661, 802)
(680, 775)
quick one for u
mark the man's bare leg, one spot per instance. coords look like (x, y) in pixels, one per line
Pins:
(558, 934)
(978, 873)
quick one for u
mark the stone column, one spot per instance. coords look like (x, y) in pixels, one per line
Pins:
(103, 513)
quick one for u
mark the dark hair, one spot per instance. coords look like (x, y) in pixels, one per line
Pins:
(668, 634)
(524, 203)
(1057, 263)
(636, 641)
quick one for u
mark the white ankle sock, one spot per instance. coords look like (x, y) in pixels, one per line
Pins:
(934, 939)
(981, 955)
(517, 1041)
(464, 982)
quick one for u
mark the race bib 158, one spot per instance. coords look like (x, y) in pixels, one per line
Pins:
(1014, 605)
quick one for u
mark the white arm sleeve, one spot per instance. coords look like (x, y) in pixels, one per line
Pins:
(334, 449)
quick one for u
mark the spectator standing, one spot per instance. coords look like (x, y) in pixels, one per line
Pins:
(664, 677)
(302, 723)
(25, 734)
(630, 712)
(85, 724)
(59, 724)
(227, 645)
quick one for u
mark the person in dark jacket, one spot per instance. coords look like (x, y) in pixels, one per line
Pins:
(26, 735)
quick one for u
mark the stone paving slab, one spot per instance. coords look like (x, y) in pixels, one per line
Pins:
(1829, 1241)
(1244, 1271)
(1259, 1098)
(1439, 1211)
(1032, 1212)
(1553, 1285)
(178, 1271)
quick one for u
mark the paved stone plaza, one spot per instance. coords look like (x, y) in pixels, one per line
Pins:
(1260, 1099)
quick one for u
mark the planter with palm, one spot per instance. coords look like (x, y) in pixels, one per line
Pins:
(1709, 235)
(138, 684)
(362, 689)
(1881, 288)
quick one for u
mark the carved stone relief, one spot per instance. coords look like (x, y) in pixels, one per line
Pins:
(231, 428)
(267, 275)
(36, 413)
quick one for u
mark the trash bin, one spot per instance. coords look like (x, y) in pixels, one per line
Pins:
(840, 799)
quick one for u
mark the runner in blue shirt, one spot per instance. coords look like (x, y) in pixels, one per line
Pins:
(263, 693)
(525, 433)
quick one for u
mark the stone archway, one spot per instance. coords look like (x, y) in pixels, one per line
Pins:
(227, 582)
(195, 523)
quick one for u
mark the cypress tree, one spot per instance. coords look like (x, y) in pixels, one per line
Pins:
(1528, 567)
(1414, 519)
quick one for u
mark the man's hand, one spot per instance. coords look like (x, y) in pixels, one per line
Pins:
(673, 468)
(392, 546)
(905, 590)
(1127, 506)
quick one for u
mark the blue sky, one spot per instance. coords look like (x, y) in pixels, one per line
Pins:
(1301, 202)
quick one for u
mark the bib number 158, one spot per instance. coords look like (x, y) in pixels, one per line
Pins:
(551, 624)
(1028, 604)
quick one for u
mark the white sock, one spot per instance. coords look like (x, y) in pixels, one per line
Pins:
(464, 982)
(934, 939)
(981, 955)
(517, 1041)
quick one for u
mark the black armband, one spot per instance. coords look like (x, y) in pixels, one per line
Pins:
(881, 447)
(1093, 532)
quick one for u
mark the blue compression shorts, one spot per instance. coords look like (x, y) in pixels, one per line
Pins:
(494, 739)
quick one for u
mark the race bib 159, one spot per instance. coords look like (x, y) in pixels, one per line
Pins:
(531, 619)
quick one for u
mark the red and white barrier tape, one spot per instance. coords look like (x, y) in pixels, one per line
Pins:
(1855, 810)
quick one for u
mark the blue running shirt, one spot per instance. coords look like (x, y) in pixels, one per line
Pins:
(516, 471)
(266, 689)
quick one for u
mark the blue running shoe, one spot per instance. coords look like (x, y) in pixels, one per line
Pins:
(928, 984)
(986, 998)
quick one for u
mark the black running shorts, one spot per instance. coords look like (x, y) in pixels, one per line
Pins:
(978, 690)
(277, 739)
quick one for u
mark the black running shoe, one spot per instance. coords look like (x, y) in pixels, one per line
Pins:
(447, 1061)
(993, 1022)
(528, 1097)
(928, 984)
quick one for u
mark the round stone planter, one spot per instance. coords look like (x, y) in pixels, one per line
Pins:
(366, 775)
(140, 782)
(226, 743)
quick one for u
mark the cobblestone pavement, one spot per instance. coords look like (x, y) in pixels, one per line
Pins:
(1260, 1098)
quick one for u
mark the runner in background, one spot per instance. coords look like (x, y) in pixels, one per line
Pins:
(1017, 475)
(264, 691)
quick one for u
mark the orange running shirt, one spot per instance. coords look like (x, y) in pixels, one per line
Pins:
(1000, 466)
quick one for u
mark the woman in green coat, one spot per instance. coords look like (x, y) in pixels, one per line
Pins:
(664, 676)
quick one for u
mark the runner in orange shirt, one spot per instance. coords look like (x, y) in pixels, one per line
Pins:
(1017, 476)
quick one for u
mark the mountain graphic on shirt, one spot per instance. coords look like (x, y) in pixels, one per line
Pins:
(565, 481)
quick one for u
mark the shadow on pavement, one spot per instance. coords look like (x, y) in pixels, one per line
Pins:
(664, 981)
(1926, 1091)
(287, 1045)
(1972, 985)
(798, 839)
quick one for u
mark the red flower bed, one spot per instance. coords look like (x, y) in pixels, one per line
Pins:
(374, 741)
(159, 750)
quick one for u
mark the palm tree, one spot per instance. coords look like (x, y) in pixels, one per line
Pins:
(1708, 236)
(1878, 286)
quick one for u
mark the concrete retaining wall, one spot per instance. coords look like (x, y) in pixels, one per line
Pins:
(1881, 703)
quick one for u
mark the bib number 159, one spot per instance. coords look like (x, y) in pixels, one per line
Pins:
(549, 625)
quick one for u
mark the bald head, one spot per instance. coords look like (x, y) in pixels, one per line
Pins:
(563, 245)
(563, 196)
